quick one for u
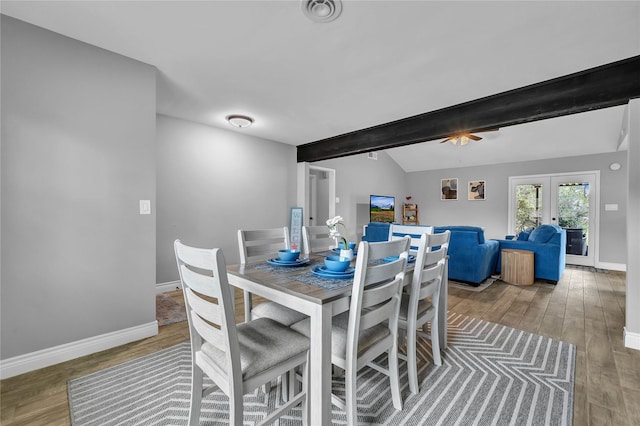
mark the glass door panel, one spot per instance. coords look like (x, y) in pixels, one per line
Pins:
(529, 206)
(573, 210)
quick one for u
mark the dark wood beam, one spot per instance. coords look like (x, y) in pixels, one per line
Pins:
(601, 87)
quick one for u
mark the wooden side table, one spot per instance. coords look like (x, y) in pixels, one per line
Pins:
(517, 267)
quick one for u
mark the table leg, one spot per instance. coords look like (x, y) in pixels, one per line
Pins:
(320, 366)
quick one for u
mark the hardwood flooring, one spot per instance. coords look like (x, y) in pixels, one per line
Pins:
(584, 308)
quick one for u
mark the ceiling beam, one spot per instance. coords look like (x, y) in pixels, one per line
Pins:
(601, 87)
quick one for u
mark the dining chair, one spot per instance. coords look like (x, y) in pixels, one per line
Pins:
(397, 231)
(416, 309)
(369, 328)
(258, 245)
(238, 358)
(316, 239)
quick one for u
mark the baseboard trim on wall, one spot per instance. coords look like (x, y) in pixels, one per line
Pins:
(169, 286)
(44, 358)
(631, 340)
(612, 266)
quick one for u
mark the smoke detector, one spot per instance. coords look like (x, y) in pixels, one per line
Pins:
(321, 10)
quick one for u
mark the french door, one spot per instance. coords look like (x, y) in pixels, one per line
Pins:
(568, 200)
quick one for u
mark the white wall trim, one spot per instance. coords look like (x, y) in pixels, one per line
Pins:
(43, 358)
(612, 266)
(168, 286)
(631, 340)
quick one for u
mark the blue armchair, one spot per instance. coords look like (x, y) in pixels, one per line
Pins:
(548, 243)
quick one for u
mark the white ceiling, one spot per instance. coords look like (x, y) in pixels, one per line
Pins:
(378, 62)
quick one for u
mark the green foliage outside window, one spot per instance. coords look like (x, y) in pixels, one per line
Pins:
(528, 207)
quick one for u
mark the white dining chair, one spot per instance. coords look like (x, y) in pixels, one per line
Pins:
(397, 231)
(238, 359)
(258, 245)
(420, 301)
(369, 328)
(316, 239)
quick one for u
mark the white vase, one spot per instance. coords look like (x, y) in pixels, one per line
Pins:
(347, 253)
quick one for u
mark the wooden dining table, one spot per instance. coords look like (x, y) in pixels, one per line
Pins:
(319, 298)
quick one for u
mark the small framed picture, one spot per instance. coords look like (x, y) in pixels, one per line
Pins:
(449, 189)
(295, 228)
(476, 190)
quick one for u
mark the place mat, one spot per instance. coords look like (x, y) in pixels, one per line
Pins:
(284, 270)
(327, 283)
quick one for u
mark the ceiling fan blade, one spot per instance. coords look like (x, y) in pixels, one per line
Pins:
(448, 139)
(474, 137)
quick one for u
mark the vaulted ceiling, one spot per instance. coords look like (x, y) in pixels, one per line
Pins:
(380, 61)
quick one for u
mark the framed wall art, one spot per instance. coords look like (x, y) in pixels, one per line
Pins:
(295, 228)
(476, 190)
(449, 189)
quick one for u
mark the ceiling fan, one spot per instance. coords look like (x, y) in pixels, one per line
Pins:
(465, 137)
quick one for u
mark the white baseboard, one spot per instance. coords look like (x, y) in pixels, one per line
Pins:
(612, 266)
(169, 286)
(631, 340)
(44, 358)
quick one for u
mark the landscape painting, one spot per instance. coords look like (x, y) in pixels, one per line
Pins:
(382, 208)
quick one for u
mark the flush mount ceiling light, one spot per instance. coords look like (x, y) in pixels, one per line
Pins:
(240, 121)
(321, 10)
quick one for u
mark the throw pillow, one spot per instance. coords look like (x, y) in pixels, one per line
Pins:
(542, 234)
(523, 235)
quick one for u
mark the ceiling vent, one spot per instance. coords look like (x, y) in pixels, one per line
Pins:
(321, 10)
(372, 155)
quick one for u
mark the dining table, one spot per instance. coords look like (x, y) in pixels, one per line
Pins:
(299, 288)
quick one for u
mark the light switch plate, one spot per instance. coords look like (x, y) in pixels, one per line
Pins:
(145, 206)
(611, 207)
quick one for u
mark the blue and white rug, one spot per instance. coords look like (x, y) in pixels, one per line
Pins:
(491, 375)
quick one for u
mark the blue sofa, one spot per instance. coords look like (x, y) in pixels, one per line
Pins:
(548, 243)
(471, 258)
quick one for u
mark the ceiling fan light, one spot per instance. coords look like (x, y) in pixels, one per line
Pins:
(464, 140)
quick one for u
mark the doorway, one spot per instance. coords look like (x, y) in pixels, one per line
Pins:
(569, 200)
(316, 193)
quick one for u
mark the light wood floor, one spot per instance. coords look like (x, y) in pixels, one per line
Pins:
(584, 308)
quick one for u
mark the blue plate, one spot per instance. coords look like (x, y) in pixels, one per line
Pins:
(322, 271)
(280, 262)
(411, 258)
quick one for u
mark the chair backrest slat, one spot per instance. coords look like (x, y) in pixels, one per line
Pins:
(209, 333)
(201, 283)
(205, 309)
(260, 244)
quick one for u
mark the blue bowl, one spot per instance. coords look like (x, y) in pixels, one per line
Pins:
(289, 255)
(336, 263)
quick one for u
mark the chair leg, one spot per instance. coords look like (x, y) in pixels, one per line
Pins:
(435, 341)
(351, 400)
(394, 377)
(305, 388)
(412, 363)
(196, 395)
(236, 409)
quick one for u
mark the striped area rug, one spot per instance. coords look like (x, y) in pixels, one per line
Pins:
(491, 375)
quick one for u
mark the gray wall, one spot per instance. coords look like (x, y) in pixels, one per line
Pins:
(78, 153)
(492, 214)
(212, 182)
(356, 178)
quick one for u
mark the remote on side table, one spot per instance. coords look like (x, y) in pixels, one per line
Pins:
(517, 267)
